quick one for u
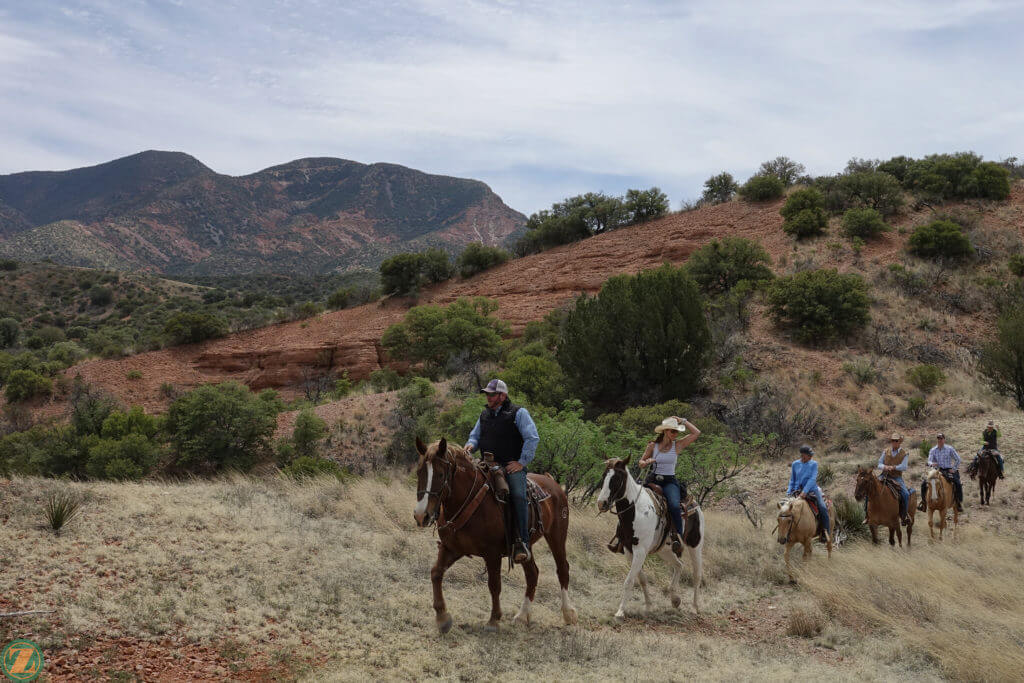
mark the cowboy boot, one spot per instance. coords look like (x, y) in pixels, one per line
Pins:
(521, 554)
(615, 545)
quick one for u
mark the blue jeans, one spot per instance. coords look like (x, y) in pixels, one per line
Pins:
(673, 495)
(517, 492)
(822, 509)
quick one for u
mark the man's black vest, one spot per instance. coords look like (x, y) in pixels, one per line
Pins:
(499, 433)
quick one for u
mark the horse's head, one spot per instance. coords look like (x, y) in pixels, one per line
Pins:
(613, 487)
(434, 472)
(786, 518)
(864, 477)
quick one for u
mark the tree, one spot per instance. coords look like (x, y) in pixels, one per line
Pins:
(709, 463)
(1002, 359)
(863, 223)
(804, 212)
(436, 335)
(876, 190)
(762, 188)
(641, 337)
(191, 328)
(783, 168)
(437, 265)
(720, 265)
(538, 378)
(129, 457)
(719, 189)
(820, 305)
(222, 426)
(309, 430)
(644, 205)
(402, 274)
(940, 239)
(477, 257)
(23, 385)
(10, 330)
(340, 298)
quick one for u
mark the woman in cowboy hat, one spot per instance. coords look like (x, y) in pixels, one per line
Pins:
(663, 453)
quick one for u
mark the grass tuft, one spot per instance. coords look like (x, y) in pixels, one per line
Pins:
(61, 508)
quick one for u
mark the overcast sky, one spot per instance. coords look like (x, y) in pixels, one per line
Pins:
(541, 100)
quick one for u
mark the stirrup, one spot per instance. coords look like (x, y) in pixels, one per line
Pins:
(521, 553)
(615, 545)
(677, 544)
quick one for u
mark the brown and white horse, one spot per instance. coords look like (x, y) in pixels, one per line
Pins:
(646, 532)
(452, 491)
(939, 499)
(797, 524)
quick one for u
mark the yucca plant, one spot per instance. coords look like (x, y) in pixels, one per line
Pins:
(61, 508)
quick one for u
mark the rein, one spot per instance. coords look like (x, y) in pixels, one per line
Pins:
(790, 516)
(619, 513)
(469, 498)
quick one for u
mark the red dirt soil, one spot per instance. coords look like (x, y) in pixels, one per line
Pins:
(525, 289)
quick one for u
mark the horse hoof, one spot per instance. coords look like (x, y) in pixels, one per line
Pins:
(570, 616)
(676, 601)
(620, 616)
(491, 627)
(522, 620)
(445, 624)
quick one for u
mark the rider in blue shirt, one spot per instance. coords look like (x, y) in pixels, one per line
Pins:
(803, 482)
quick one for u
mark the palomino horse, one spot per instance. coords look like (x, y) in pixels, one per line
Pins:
(987, 474)
(883, 507)
(940, 499)
(453, 492)
(798, 525)
(646, 531)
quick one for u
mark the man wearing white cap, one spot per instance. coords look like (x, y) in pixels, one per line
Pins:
(508, 431)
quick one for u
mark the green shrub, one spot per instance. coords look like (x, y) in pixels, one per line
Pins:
(720, 265)
(849, 516)
(820, 305)
(386, 379)
(309, 430)
(130, 457)
(804, 212)
(119, 424)
(23, 385)
(719, 189)
(437, 265)
(783, 168)
(654, 338)
(342, 386)
(1016, 264)
(926, 377)
(309, 467)
(872, 190)
(477, 257)
(134, 374)
(862, 371)
(66, 353)
(863, 223)
(762, 188)
(641, 420)
(963, 175)
(340, 298)
(464, 333)
(537, 378)
(645, 205)
(415, 416)
(222, 426)
(915, 408)
(10, 330)
(402, 274)
(191, 328)
(100, 296)
(1002, 359)
(940, 239)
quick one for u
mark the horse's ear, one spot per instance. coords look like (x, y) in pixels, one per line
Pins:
(625, 463)
(442, 446)
(779, 504)
(420, 448)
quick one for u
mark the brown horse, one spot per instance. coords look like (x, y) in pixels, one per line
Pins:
(988, 472)
(940, 499)
(453, 492)
(883, 506)
(797, 524)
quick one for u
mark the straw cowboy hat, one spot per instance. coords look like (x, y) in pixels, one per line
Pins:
(895, 436)
(670, 423)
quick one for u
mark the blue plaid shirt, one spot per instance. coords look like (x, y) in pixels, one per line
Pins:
(945, 458)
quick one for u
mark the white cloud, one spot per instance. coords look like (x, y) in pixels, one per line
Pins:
(540, 98)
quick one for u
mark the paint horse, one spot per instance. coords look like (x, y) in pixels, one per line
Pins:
(883, 506)
(454, 493)
(798, 524)
(646, 531)
(940, 499)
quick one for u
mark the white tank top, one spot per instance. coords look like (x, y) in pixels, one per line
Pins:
(665, 461)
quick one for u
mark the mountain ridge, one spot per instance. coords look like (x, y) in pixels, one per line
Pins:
(167, 212)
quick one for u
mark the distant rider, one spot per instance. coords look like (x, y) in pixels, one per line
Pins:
(508, 431)
(803, 482)
(946, 459)
(990, 438)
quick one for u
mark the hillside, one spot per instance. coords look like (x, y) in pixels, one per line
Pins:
(529, 287)
(166, 212)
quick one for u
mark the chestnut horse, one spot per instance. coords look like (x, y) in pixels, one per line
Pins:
(452, 491)
(940, 499)
(883, 506)
(797, 524)
(987, 474)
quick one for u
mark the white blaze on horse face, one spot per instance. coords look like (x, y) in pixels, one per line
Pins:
(605, 492)
(421, 504)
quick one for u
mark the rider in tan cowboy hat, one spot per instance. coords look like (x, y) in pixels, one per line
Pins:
(893, 463)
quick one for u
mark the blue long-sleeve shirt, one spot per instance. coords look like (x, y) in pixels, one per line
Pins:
(945, 458)
(803, 478)
(527, 429)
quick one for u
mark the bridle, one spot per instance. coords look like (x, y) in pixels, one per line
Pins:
(622, 496)
(444, 491)
(790, 516)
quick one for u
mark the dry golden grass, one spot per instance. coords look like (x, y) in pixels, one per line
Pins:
(340, 571)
